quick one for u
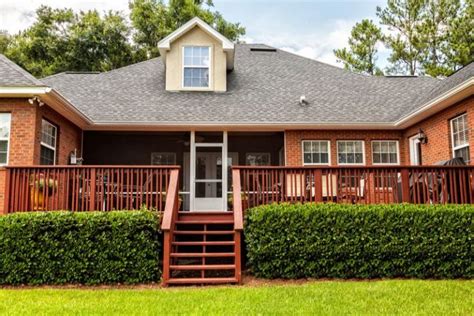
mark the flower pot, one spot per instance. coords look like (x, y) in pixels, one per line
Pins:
(37, 199)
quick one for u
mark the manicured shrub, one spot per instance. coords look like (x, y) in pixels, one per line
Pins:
(358, 241)
(86, 248)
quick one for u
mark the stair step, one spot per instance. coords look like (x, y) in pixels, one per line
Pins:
(201, 232)
(201, 281)
(202, 222)
(203, 243)
(200, 255)
(204, 267)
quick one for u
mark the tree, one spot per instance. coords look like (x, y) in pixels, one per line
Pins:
(460, 48)
(404, 19)
(5, 40)
(361, 55)
(153, 20)
(437, 19)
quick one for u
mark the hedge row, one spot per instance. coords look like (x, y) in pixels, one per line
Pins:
(357, 241)
(86, 248)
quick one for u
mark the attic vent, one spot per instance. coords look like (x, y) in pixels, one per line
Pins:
(263, 49)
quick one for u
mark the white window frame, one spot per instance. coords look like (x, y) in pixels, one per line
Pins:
(354, 163)
(316, 140)
(386, 141)
(54, 149)
(184, 66)
(7, 139)
(269, 155)
(452, 135)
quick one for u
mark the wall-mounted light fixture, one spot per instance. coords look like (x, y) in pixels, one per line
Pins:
(422, 137)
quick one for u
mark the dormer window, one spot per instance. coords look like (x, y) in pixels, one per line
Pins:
(196, 66)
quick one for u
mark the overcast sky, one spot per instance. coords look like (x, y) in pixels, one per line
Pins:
(312, 28)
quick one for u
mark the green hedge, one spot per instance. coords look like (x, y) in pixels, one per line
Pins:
(86, 248)
(357, 241)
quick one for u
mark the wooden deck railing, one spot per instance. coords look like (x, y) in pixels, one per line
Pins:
(86, 188)
(368, 185)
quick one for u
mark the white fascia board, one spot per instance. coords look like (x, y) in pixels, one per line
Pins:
(23, 91)
(165, 43)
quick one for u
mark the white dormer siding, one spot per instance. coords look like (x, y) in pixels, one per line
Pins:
(196, 58)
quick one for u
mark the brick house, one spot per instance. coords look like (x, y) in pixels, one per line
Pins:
(208, 104)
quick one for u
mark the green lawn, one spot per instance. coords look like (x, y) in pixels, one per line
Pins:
(404, 297)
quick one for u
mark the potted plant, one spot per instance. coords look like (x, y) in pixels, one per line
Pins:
(39, 188)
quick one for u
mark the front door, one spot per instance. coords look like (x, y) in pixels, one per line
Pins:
(415, 151)
(208, 176)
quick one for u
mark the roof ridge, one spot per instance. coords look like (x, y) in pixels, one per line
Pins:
(129, 66)
(25, 74)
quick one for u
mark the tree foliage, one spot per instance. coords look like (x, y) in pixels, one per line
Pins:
(361, 55)
(61, 39)
(434, 37)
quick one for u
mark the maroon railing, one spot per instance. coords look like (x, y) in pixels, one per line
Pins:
(368, 185)
(86, 188)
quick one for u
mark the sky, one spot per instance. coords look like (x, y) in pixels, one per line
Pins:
(311, 28)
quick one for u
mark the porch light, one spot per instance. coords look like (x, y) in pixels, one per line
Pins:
(422, 137)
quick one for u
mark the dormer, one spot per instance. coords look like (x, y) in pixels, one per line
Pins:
(196, 58)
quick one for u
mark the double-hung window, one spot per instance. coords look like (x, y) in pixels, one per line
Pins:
(385, 152)
(350, 152)
(196, 66)
(48, 143)
(258, 159)
(5, 119)
(460, 137)
(162, 158)
(316, 152)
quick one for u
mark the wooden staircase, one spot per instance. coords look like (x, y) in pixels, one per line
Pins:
(201, 247)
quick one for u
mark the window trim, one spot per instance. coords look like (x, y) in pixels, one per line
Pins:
(259, 153)
(383, 163)
(210, 69)
(54, 149)
(7, 138)
(467, 144)
(351, 164)
(312, 163)
(163, 153)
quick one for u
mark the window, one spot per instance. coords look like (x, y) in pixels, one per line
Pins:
(196, 65)
(164, 159)
(5, 119)
(316, 152)
(350, 152)
(48, 143)
(385, 152)
(460, 137)
(257, 159)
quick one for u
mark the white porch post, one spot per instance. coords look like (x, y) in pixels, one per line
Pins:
(224, 171)
(192, 171)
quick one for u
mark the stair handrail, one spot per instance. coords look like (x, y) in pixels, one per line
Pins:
(169, 217)
(237, 199)
(172, 198)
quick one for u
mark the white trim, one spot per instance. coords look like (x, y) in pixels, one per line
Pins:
(209, 69)
(53, 148)
(192, 171)
(24, 90)
(316, 140)
(381, 163)
(165, 44)
(7, 139)
(350, 164)
(224, 170)
(454, 148)
(415, 159)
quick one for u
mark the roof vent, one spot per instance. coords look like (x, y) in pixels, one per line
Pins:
(303, 100)
(263, 49)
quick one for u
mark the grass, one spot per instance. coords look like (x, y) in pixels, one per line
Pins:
(399, 297)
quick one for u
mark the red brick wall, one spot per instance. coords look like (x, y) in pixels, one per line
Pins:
(294, 140)
(69, 135)
(438, 131)
(25, 133)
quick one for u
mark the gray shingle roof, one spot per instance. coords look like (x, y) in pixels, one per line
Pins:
(12, 75)
(264, 87)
